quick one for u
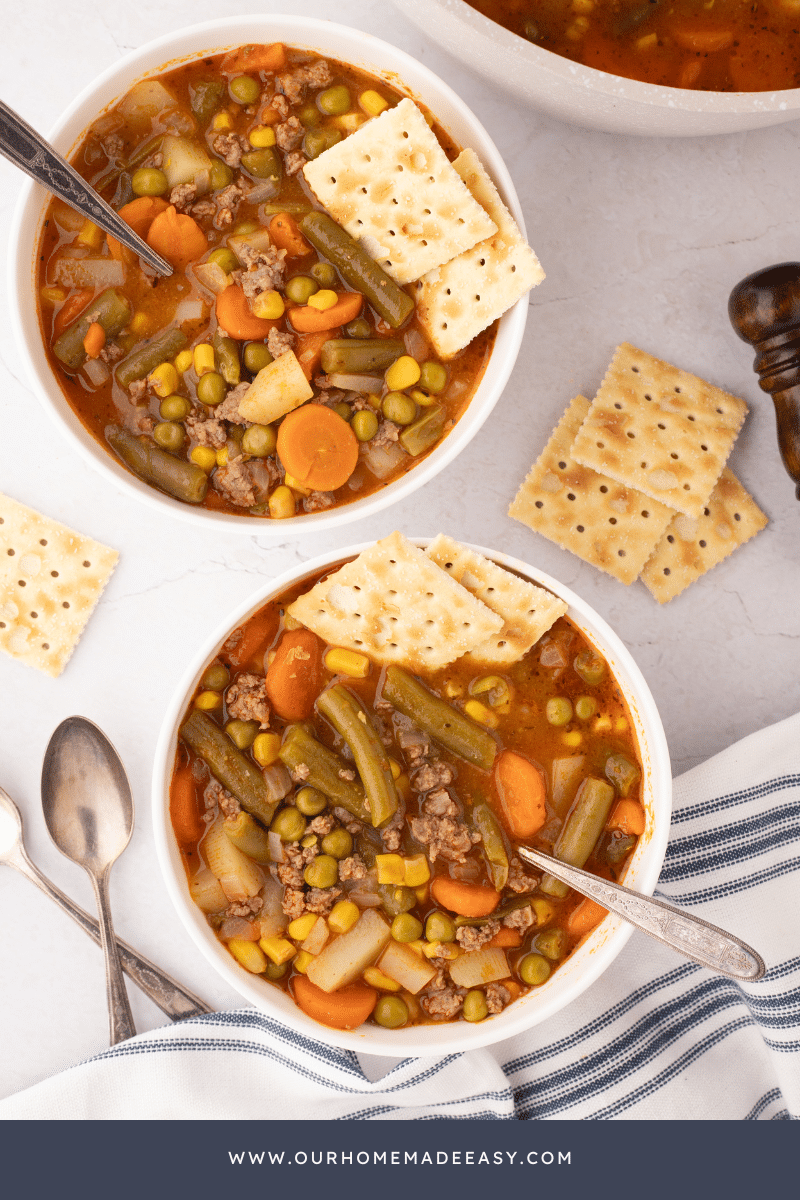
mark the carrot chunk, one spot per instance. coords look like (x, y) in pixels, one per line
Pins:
(703, 41)
(176, 237)
(183, 809)
(270, 57)
(466, 899)
(628, 817)
(95, 340)
(506, 938)
(247, 646)
(286, 236)
(236, 317)
(306, 319)
(585, 917)
(72, 308)
(318, 447)
(309, 349)
(522, 791)
(139, 214)
(295, 675)
(346, 1008)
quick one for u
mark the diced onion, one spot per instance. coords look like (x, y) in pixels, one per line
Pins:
(238, 927)
(275, 846)
(212, 276)
(97, 371)
(552, 655)
(190, 310)
(364, 899)
(416, 345)
(357, 383)
(278, 781)
(382, 460)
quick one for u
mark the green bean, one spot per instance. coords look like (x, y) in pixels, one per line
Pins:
(582, 828)
(351, 719)
(357, 268)
(300, 748)
(111, 310)
(426, 430)
(143, 151)
(294, 209)
(622, 773)
(445, 724)
(205, 98)
(145, 357)
(494, 847)
(397, 898)
(344, 356)
(248, 836)
(317, 141)
(551, 943)
(179, 478)
(226, 353)
(234, 771)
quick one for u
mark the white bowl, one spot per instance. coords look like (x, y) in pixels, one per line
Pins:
(348, 45)
(583, 95)
(569, 981)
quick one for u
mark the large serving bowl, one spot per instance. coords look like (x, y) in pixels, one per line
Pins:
(572, 978)
(583, 95)
(348, 45)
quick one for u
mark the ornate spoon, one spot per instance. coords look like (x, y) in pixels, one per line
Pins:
(28, 150)
(704, 943)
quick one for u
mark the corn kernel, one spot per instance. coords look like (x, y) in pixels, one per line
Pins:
(395, 768)
(140, 323)
(269, 306)
(222, 456)
(544, 910)
(207, 701)
(296, 485)
(583, 6)
(281, 503)
(417, 871)
(303, 961)
(279, 949)
(403, 785)
(91, 235)
(602, 724)
(203, 358)
(452, 689)
(422, 893)
(391, 868)
(620, 725)
(418, 947)
(377, 979)
(183, 361)
(249, 955)
(164, 380)
(441, 950)
(310, 839)
(322, 300)
(205, 457)
(301, 927)
(222, 121)
(261, 137)
(348, 662)
(265, 748)
(422, 398)
(402, 374)
(374, 400)
(480, 713)
(578, 29)
(52, 295)
(343, 916)
(573, 738)
(649, 42)
(372, 102)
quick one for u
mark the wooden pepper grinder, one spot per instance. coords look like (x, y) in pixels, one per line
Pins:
(765, 311)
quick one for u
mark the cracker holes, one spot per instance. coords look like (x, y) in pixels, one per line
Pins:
(635, 370)
(65, 604)
(690, 417)
(678, 390)
(660, 426)
(34, 616)
(686, 487)
(603, 488)
(42, 541)
(621, 553)
(666, 570)
(673, 455)
(702, 447)
(645, 513)
(570, 495)
(86, 562)
(631, 434)
(600, 445)
(737, 517)
(643, 466)
(618, 406)
(10, 553)
(702, 544)
(706, 513)
(21, 582)
(612, 520)
(580, 529)
(562, 466)
(539, 504)
(670, 538)
(650, 398)
(45, 645)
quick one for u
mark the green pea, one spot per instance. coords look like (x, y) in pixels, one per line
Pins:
(391, 1012)
(585, 707)
(224, 258)
(406, 928)
(244, 89)
(399, 408)
(325, 274)
(256, 357)
(174, 408)
(439, 927)
(276, 970)
(311, 802)
(534, 969)
(475, 1006)
(169, 435)
(220, 176)
(590, 667)
(244, 227)
(322, 871)
(338, 843)
(360, 328)
(334, 101)
(309, 115)
(211, 388)
(263, 163)
(289, 823)
(558, 711)
(396, 899)
(149, 181)
(551, 943)
(242, 733)
(433, 377)
(343, 410)
(300, 288)
(365, 425)
(216, 678)
(318, 140)
(259, 440)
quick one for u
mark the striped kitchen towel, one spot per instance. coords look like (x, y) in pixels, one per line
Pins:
(656, 1037)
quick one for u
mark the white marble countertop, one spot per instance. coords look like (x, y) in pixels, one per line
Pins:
(642, 240)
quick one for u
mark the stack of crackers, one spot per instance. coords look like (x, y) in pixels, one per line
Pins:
(635, 482)
(399, 604)
(427, 221)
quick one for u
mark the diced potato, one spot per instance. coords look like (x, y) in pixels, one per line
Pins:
(183, 160)
(382, 460)
(317, 938)
(146, 99)
(238, 875)
(480, 966)
(275, 391)
(406, 967)
(206, 891)
(90, 272)
(259, 239)
(346, 957)
(272, 920)
(566, 775)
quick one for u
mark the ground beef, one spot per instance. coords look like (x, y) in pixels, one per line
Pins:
(445, 1004)
(348, 820)
(436, 774)
(226, 203)
(518, 881)
(136, 390)
(153, 160)
(143, 421)
(246, 699)
(215, 796)
(111, 353)
(279, 341)
(322, 900)
(278, 104)
(294, 83)
(444, 837)
(497, 997)
(265, 270)
(521, 919)
(235, 482)
(245, 908)
(391, 834)
(472, 937)
(183, 196)
(293, 903)
(387, 434)
(322, 825)
(290, 871)
(229, 409)
(300, 773)
(346, 774)
(412, 741)
(353, 867)
(204, 210)
(293, 162)
(289, 134)
(440, 804)
(113, 145)
(318, 501)
(230, 147)
(207, 431)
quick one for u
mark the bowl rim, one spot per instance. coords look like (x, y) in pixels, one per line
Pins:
(584, 966)
(595, 80)
(403, 71)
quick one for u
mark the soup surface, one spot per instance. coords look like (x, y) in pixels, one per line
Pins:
(712, 45)
(206, 162)
(411, 906)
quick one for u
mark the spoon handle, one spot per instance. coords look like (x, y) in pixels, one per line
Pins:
(29, 151)
(704, 943)
(120, 1017)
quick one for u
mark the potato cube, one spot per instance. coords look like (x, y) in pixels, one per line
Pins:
(275, 391)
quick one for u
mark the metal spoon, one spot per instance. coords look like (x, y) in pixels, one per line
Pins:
(29, 151)
(163, 990)
(88, 808)
(692, 937)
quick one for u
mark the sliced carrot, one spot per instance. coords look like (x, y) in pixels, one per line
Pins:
(583, 918)
(139, 214)
(95, 340)
(295, 675)
(309, 349)
(628, 817)
(286, 235)
(237, 319)
(270, 57)
(346, 1008)
(248, 644)
(306, 319)
(318, 447)
(183, 808)
(466, 899)
(690, 73)
(71, 309)
(177, 237)
(703, 41)
(506, 938)
(522, 791)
